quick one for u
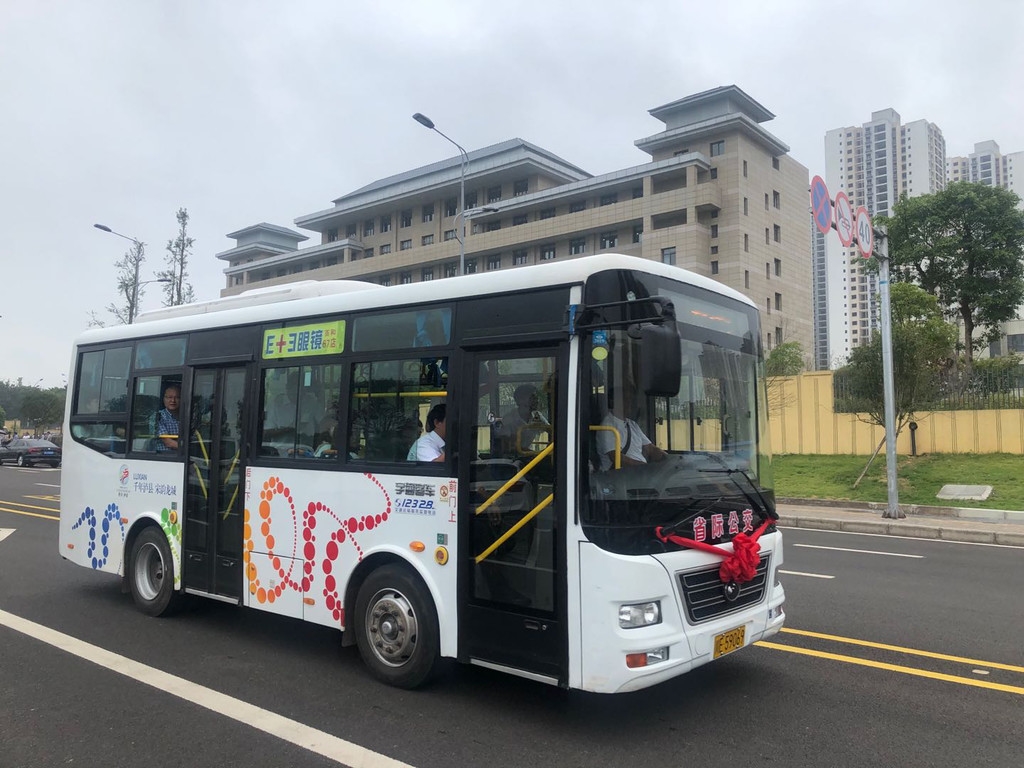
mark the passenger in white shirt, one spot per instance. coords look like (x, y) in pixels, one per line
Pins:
(430, 446)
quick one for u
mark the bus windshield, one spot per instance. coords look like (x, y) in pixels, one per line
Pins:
(695, 464)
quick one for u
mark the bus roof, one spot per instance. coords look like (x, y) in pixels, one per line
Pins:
(321, 297)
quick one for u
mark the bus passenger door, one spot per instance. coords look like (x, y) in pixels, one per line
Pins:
(511, 518)
(212, 556)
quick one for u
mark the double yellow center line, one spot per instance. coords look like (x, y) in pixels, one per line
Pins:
(972, 681)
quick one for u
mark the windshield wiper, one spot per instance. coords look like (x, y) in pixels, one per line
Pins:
(730, 472)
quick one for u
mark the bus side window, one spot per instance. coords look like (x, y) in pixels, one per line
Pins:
(145, 409)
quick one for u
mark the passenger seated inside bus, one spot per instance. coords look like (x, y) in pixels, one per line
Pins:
(430, 446)
(522, 429)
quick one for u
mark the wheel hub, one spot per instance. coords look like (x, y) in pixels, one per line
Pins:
(391, 627)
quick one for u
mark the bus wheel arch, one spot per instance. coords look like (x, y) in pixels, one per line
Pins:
(395, 624)
(149, 571)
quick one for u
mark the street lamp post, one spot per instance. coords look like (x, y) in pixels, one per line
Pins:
(133, 306)
(426, 122)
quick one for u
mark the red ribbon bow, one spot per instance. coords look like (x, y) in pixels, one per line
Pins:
(740, 565)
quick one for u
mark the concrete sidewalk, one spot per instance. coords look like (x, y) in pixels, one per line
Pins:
(988, 526)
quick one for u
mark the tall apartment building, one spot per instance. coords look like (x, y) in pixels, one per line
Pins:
(719, 196)
(875, 164)
(987, 165)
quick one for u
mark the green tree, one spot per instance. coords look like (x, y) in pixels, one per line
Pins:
(964, 245)
(43, 407)
(128, 267)
(786, 359)
(923, 344)
(178, 290)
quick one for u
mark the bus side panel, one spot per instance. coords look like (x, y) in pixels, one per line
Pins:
(306, 531)
(112, 495)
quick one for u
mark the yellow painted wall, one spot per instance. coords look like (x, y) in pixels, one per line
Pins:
(803, 421)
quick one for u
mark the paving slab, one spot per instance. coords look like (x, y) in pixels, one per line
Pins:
(955, 492)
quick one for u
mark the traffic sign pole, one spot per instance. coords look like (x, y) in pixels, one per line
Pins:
(893, 508)
(866, 237)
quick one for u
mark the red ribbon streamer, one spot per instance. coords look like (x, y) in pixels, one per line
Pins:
(740, 565)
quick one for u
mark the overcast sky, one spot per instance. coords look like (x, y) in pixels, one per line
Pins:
(122, 111)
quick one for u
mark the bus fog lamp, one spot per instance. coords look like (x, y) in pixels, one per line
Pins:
(639, 614)
(646, 658)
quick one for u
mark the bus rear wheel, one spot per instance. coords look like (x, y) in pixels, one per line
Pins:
(396, 628)
(151, 573)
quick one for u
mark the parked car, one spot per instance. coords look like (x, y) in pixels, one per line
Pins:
(26, 451)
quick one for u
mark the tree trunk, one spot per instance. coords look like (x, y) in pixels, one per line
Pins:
(965, 315)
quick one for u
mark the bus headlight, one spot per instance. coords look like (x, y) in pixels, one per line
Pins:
(639, 614)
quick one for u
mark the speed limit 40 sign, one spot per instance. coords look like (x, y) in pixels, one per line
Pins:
(865, 235)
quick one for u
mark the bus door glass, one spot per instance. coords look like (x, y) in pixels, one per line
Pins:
(215, 496)
(509, 480)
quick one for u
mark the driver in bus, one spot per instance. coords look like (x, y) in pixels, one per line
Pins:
(635, 447)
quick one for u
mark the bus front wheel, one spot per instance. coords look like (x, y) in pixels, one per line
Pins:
(151, 573)
(397, 630)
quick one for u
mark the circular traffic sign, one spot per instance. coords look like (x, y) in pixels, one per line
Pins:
(821, 205)
(865, 235)
(844, 219)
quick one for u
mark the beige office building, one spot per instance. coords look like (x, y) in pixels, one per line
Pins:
(719, 196)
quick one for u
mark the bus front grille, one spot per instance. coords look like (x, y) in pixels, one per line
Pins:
(705, 595)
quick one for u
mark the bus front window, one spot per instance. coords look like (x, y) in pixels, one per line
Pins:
(696, 462)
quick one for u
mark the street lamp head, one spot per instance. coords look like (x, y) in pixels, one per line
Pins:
(104, 227)
(423, 120)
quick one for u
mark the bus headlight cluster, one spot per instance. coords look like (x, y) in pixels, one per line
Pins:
(640, 614)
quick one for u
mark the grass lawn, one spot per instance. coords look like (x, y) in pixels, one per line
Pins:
(919, 478)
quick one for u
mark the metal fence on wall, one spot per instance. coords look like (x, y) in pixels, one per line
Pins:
(950, 391)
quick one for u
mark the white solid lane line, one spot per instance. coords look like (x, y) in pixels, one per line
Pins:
(5, 532)
(859, 551)
(808, 575)
(311, 739)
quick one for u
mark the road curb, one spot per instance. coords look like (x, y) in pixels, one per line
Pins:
(922, 510)
(905, 528)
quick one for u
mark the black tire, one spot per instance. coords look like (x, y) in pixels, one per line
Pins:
(396, 627)
(151, 574)
(22, 462)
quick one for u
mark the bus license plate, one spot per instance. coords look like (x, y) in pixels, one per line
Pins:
(727, 642)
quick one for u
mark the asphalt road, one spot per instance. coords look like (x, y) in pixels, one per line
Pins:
(897, 652)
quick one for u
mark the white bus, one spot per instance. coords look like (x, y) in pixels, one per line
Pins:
(605, 454)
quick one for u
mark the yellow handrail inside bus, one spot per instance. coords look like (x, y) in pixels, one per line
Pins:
(618, 441)
(515, 478)
(512, 531)
(206, 457)
(534, 426)
(224, 479)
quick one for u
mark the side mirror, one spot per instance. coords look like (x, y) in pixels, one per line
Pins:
(661, 360)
